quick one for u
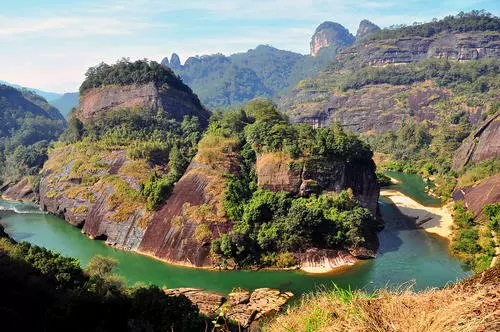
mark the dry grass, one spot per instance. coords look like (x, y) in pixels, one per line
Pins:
(473, 305)
(215, 150)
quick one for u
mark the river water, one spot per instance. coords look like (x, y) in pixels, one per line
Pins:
(406, 255)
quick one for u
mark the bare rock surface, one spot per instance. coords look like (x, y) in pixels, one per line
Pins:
(242, 306)
(207, 302)
(483, 144)
(21, 191)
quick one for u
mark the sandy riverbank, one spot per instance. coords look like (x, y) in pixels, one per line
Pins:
(437, 220)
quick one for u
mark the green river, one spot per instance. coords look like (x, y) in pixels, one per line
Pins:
(406, 254)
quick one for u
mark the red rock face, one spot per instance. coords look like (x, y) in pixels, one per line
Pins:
(98, 101)
(476, 197)
(483, 144)
(177, 243)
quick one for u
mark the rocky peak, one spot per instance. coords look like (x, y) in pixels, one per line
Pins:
(330, 34)
(175, 61)
(165, 61)
(366, 28)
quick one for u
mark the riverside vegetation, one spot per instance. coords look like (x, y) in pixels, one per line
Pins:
(270, 226)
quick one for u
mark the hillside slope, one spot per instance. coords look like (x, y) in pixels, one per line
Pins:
(470, 305)
(28, 124)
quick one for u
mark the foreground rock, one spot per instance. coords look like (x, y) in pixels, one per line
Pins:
(241, 306)
(207, 302)
(21, 191)
(325, 260)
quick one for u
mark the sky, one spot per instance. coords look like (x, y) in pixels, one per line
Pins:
(50, 44)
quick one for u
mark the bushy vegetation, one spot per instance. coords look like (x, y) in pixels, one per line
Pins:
(475, 20)
(27, 125)
(269, 226)
(476, 76)
(473, 241)
(275, 223)
(42, 290)
(166, 144)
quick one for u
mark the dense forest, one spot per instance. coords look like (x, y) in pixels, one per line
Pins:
(265, 71)
(28, 125)
(57, 294)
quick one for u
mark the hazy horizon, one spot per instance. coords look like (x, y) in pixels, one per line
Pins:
(50, 44)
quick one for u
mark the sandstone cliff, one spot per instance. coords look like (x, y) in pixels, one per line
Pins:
(176, 102)
(477, 196)
(376, 108)
(84, 187)
(482, 144)
(181, 231)
(330, 34)
(451, 46)
(277, 171)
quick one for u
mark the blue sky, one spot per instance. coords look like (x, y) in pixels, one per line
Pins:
(49, 44)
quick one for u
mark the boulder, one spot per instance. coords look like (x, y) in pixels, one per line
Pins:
(207, 302)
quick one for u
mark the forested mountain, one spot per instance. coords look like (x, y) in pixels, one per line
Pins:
(49, 96)
(66, 102)
(265, 71)
(137, 157)
(28, 124)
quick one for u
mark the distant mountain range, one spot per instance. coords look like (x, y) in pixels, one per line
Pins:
(265, 71)
(64, 102)
(49, 96)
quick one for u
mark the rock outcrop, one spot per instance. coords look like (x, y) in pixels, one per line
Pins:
(20, 191)
(477, 196)
(242, 307)
(67, 192)
(315, 260)
(176, 102)
(181, 230)
(366, 28)
(482, 144)
(330, 34)
(277, 171)
(451, 46)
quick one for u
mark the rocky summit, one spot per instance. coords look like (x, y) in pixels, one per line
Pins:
(366, 28)
(330, 34)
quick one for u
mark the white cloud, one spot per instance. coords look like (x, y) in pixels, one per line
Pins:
(51, 47)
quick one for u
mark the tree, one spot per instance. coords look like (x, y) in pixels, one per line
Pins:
(101, 266)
